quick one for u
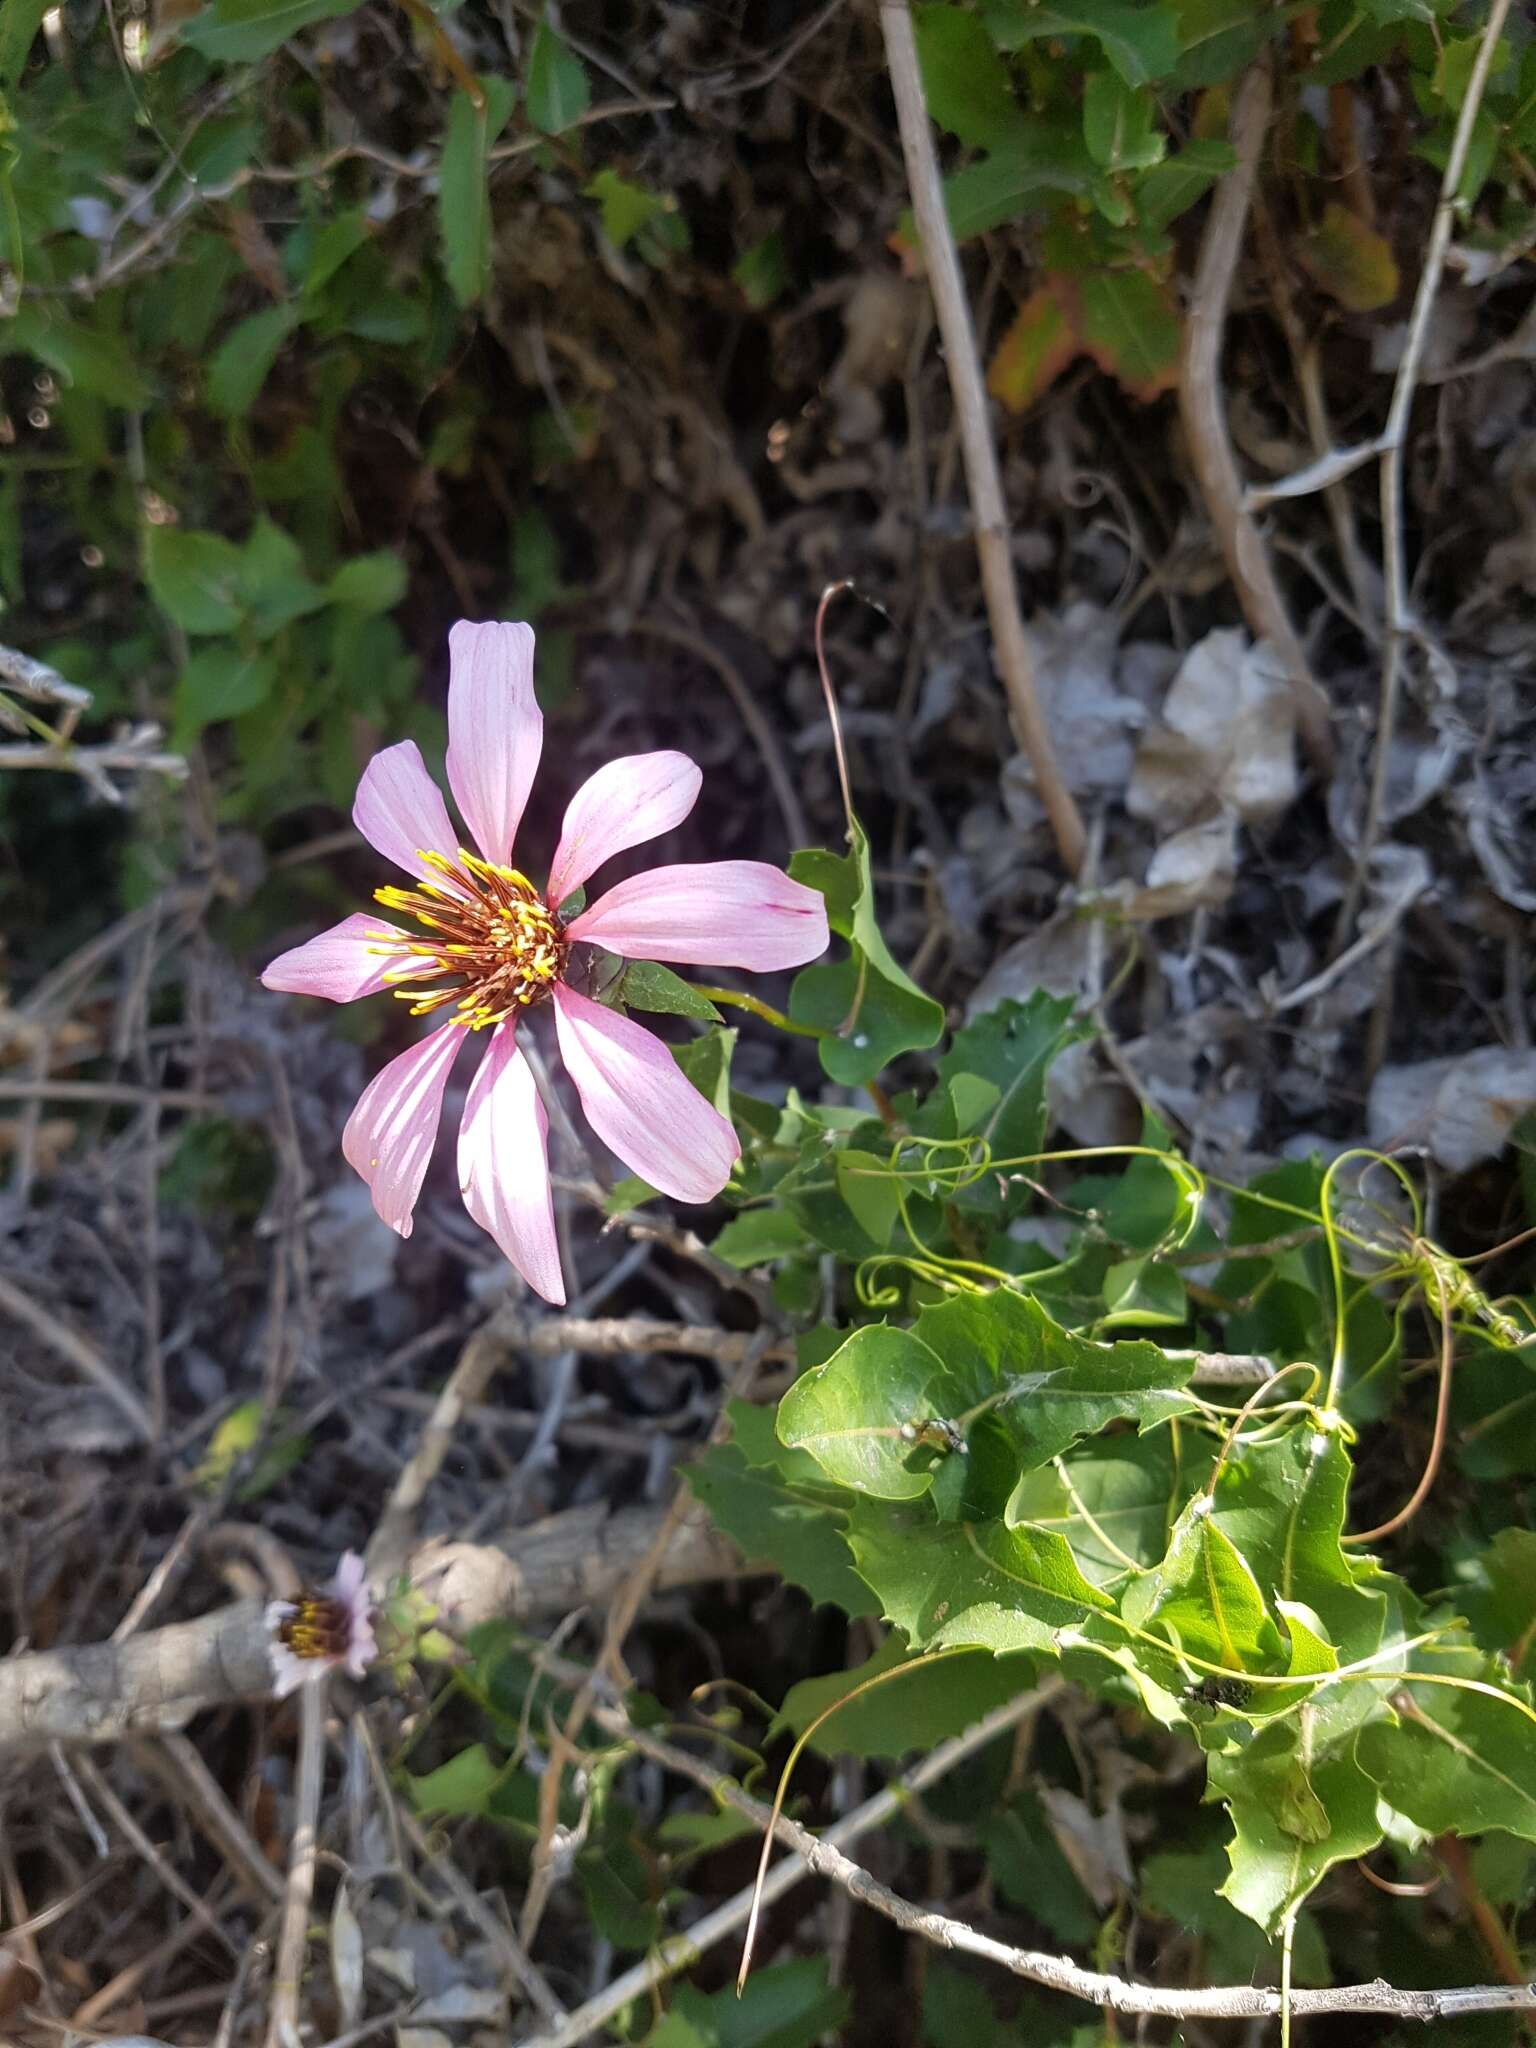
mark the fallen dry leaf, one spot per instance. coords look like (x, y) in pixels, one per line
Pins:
(1462, 1108)
(1227, 740)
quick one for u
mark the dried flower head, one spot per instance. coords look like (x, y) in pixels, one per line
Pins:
(488, 946)
(326, 1631)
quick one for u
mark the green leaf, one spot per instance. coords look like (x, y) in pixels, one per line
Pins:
(1040, 342)
(646, 985)
(867, 1185)
(1505, 1611)
(1014, 1046)
(1111, 1499)
(1203, 1596)
(1458, 1761)
(274, 589)
(336, 243)
(776, 1508)
(463, 199)
(964, 82)
(626, 208)
(465, 1784)
(1172, 187)
(871, 1007)
(20, 21)
(219, 682)
(615, 1884)
(761, 273)
(244, 358)
(706, 1060)
(1143, 1294)
(1293, 1819)
(1050, 156)
(1118, 124)
(369, 583)
(1040, 1387)
(930, 1702)
(1033, 1874)
(944, 1584)
(558, 91)
(195, 578)
(790, 2005)
(849, 1413)
(1184, 1887)
(1142, 43)
(1220, 37)
(89, 357)
(243, 31)
(1130, 325)
(757, 1236)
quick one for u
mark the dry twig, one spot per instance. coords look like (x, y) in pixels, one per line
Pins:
(1014, 661)
(1205, 423)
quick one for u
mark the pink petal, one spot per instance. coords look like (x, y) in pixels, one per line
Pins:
(400, 811)
(625, 803)
(641, 1103)
(723, 913)
(389, 1135)
(495, 730)
(341, 964)
(504, 1164)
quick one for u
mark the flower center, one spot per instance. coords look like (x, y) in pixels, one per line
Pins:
(496, 946)
(317, 1627)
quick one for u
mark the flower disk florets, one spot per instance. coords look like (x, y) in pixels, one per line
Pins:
(496, 945)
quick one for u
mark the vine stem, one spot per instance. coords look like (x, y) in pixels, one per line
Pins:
(957, 331)
(736, 999)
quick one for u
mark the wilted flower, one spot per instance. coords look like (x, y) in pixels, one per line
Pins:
(494, 946)
(327, 1631)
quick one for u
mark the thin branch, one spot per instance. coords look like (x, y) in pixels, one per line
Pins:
(79, 1352)
(824, 1855)
(1205, 423)
(35, 679)
(1399, 621)
(293, 1941)
(160, 1678)
(684, 1950)
(135, 755)
(1014, 661)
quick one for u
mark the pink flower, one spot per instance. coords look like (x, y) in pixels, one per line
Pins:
(318, 1632)
(491, 946)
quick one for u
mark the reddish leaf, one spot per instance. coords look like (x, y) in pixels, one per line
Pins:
(1129, 324)
(1350, 261)
(1035, 350)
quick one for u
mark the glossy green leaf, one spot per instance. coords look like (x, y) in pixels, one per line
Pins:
(1204, 1599)
(1143, 1294)
(465, 1784)
(558, 90)
(274, 588)
(1170, 188)
(867, 1185)
(871, 1007)
(1111, 1499)
(849, 1414)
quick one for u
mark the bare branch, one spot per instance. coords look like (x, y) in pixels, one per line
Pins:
(1205, 424)
(104, 1692)
(1014, 661)
(824, 1855)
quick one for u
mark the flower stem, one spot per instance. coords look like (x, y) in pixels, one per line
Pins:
(734, 999)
